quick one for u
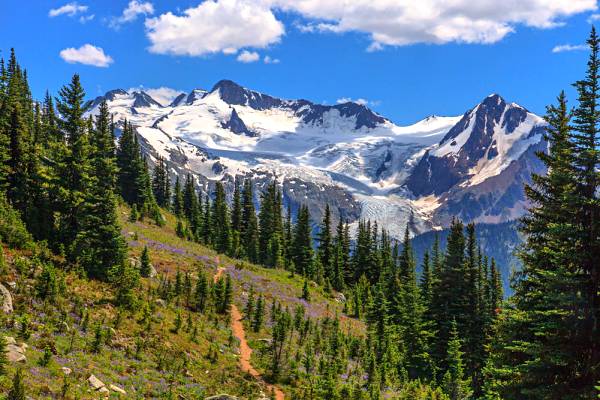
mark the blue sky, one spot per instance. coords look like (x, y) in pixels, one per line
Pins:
(406, 61)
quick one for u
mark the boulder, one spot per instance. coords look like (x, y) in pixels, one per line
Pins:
(117, 389)
(105, 392)
(15, 353)
(10, 340)
(66, 370)
(96, 383)
(7, 305)
(340, 298)
(160, 302)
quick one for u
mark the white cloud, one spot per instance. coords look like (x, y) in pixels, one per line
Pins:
(133, 10)
(164, 95)
(569, 47)
(361, 101)
(397, 23)
(85, 18)
(229, 25)
(70, 9)
(86, 54)
(594, 17)
(214, 26)
(248, 56)
(270, 60)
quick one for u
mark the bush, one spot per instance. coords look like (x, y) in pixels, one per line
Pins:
(12, 229)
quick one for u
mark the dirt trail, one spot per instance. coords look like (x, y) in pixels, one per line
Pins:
(245, 351)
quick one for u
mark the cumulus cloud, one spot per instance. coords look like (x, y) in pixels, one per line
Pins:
(133, 10)
(214, 26)
(164, 95)
(396, 23)
(270, 60)
(229, 25)
(248, 56)
(361, 101)
(70, 9)
(87, 55)
(569, 47)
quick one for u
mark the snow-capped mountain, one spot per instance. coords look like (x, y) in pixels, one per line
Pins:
(478, 170)
(347, 155)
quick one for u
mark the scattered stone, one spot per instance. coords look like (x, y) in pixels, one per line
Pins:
(96, 383)
(153, 272)
(7, 305)
(105, 392)
(12, 285)
(15, 353)
(222, 397)
(340, 298)
(267, 341)
(65, 326)
(66, 370)
(117, 389)
(160, 302)
(10, 340)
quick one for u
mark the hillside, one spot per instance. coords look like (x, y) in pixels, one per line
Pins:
(139, 351)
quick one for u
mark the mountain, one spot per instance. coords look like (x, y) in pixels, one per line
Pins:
(478, 171)
(346, 155)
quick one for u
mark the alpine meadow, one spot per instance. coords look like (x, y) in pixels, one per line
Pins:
(223, 243)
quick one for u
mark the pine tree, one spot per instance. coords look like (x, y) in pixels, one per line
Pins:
(161, 186)
(17, 391)
(3, 356)
(201, 292)
(454, 383)
(249, 224)
(325, 245)
(190, 200)
(302, 252)
(99, 245)
(542, 347)
(145, 267)
(305, 291)
(586, 252)
(221, 222)
(259, 314)
(72, 163)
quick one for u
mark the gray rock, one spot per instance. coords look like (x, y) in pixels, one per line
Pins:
(15, 353)
(160, 302)
(117, 389)
(340, 298)
(7, 305)
(96, 383)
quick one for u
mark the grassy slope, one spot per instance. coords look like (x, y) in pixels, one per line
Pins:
(116, 362)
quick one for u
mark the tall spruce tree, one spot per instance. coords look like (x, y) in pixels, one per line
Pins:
(542, 348)
(99, 245)
(302, 251)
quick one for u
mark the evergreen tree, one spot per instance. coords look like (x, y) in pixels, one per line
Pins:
(17, 391)
(542, 346)
(161, 185)
(190, 200)
(249, 224)
(72, 162)
(221, 223)
(99, 244)
(325, 245)
(302, 252)
(454, 383)
(177, 199)
(259, 314)
(145, 267)
(201, 292)
(586, 252)
(3, 356)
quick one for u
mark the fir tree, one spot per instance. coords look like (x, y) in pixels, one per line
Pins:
(302, 252)
(17, 391)
(249, 224)
(145, 267)
(454, 383)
